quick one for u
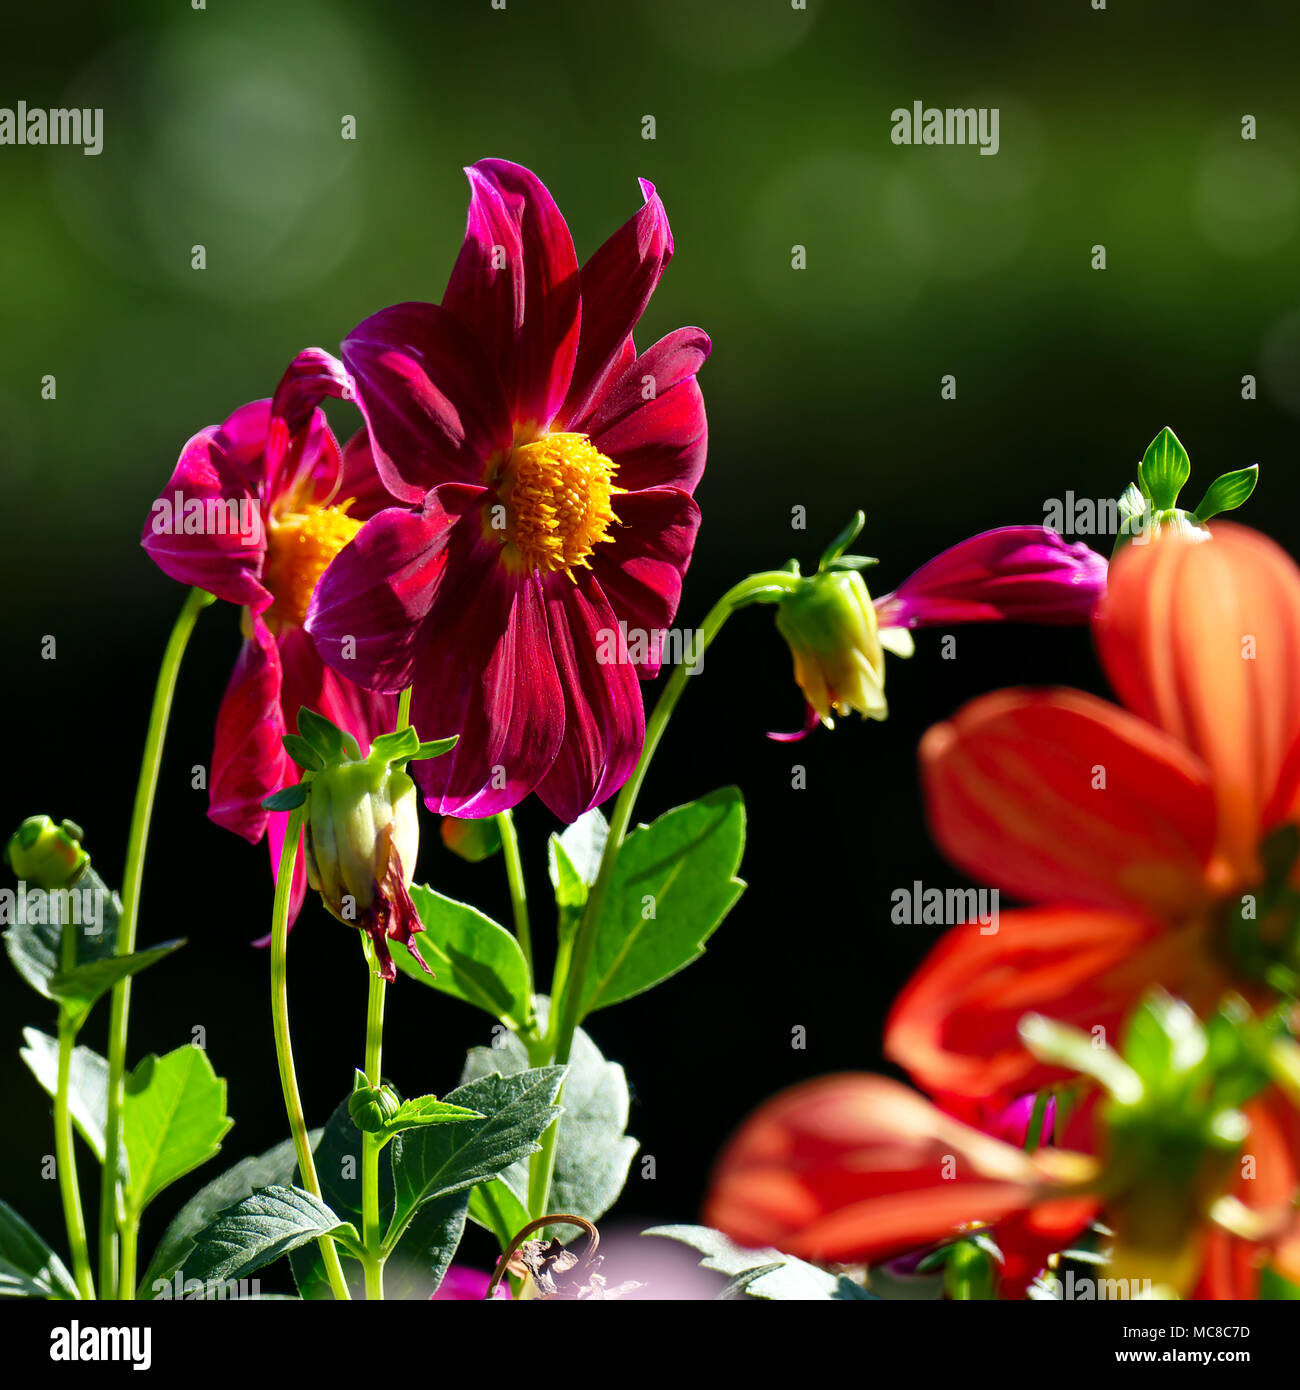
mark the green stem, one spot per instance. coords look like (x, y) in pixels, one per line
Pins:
(372, 1144)
(64, 1155)
(195, 602)
(518, 893)
(567, 993)
(404, 710)
(283, 1045)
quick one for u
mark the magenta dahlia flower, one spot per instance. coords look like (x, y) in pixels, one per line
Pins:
(254, 512)
(548, 471)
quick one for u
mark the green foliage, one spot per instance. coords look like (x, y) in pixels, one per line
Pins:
(674, 882)
(258, 1229)
(87, 1084)
(763, 1273)
(28, 1267)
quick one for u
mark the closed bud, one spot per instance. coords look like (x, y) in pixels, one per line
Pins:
(47, 855)
(371, 1107)
(829, 623)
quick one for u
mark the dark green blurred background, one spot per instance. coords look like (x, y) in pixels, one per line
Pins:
(222, 128)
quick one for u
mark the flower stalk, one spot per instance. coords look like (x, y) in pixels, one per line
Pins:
(196, 601)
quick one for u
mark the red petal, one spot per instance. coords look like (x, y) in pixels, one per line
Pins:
(515, 287)
(1203, 639)
(432, 402)
(617, 283)
(604, 723)
(1059, 797)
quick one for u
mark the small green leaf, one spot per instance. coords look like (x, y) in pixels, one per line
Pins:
(259, 1229)
(774, 1276)
(1227, 493)
(287, 798)
(435, 747)
(472, 957)
(35, 945)
(842, 542)
(28, 1267)
(432, 1163)
(302, 753)
(594, 1151)
(427, 1110)
(574, 860)
(87, 1084)
(395, 747)
(78, 989)
(173, 1119)
(1164, 469)
(332, 743)
(674, 882)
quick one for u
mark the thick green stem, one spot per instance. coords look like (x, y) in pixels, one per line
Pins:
(372, 1144)
(284, 1047)
(195, 602)
(404, 709)
(567, 993)
(64, 1155)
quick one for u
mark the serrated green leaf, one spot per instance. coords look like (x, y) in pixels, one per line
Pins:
(792, 1280)
(1164, 469)
(35, 946)
(275, 1168)
(1227, 493)
(259, 1229)
(28, 1267)
(87, 1084)
(173, 1119)
(594, 1151)
(416, 1268)
(429, 1164)
(674, 882)
(473, 957)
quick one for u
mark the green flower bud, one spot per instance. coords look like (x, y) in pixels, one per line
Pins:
(829, 624)
(47, 855)
(371, 1107)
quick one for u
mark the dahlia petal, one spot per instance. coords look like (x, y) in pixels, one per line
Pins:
(857, 1167)
(660, 440)
(525, 313)
(1203, 640)
(432, 403)
(248, 759)
(954, 1025)
(486, 671)
(367, 614)
(359, 481)
(313, 376)
(810, 721)
(604, 723)
(617, 283)
(1058, 796)
(1025, 574)
(308, 681)
(225, 558)
(641, 571)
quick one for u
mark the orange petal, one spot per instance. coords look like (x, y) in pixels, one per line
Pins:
(1203, 639)
(1056, 796)
(858, 1167)
(953, 1027)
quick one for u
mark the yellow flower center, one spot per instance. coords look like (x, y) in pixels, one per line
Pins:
(557, 493)
(299, 546)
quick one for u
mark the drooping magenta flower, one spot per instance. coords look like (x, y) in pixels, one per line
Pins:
(255, 510)
(548, 471)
